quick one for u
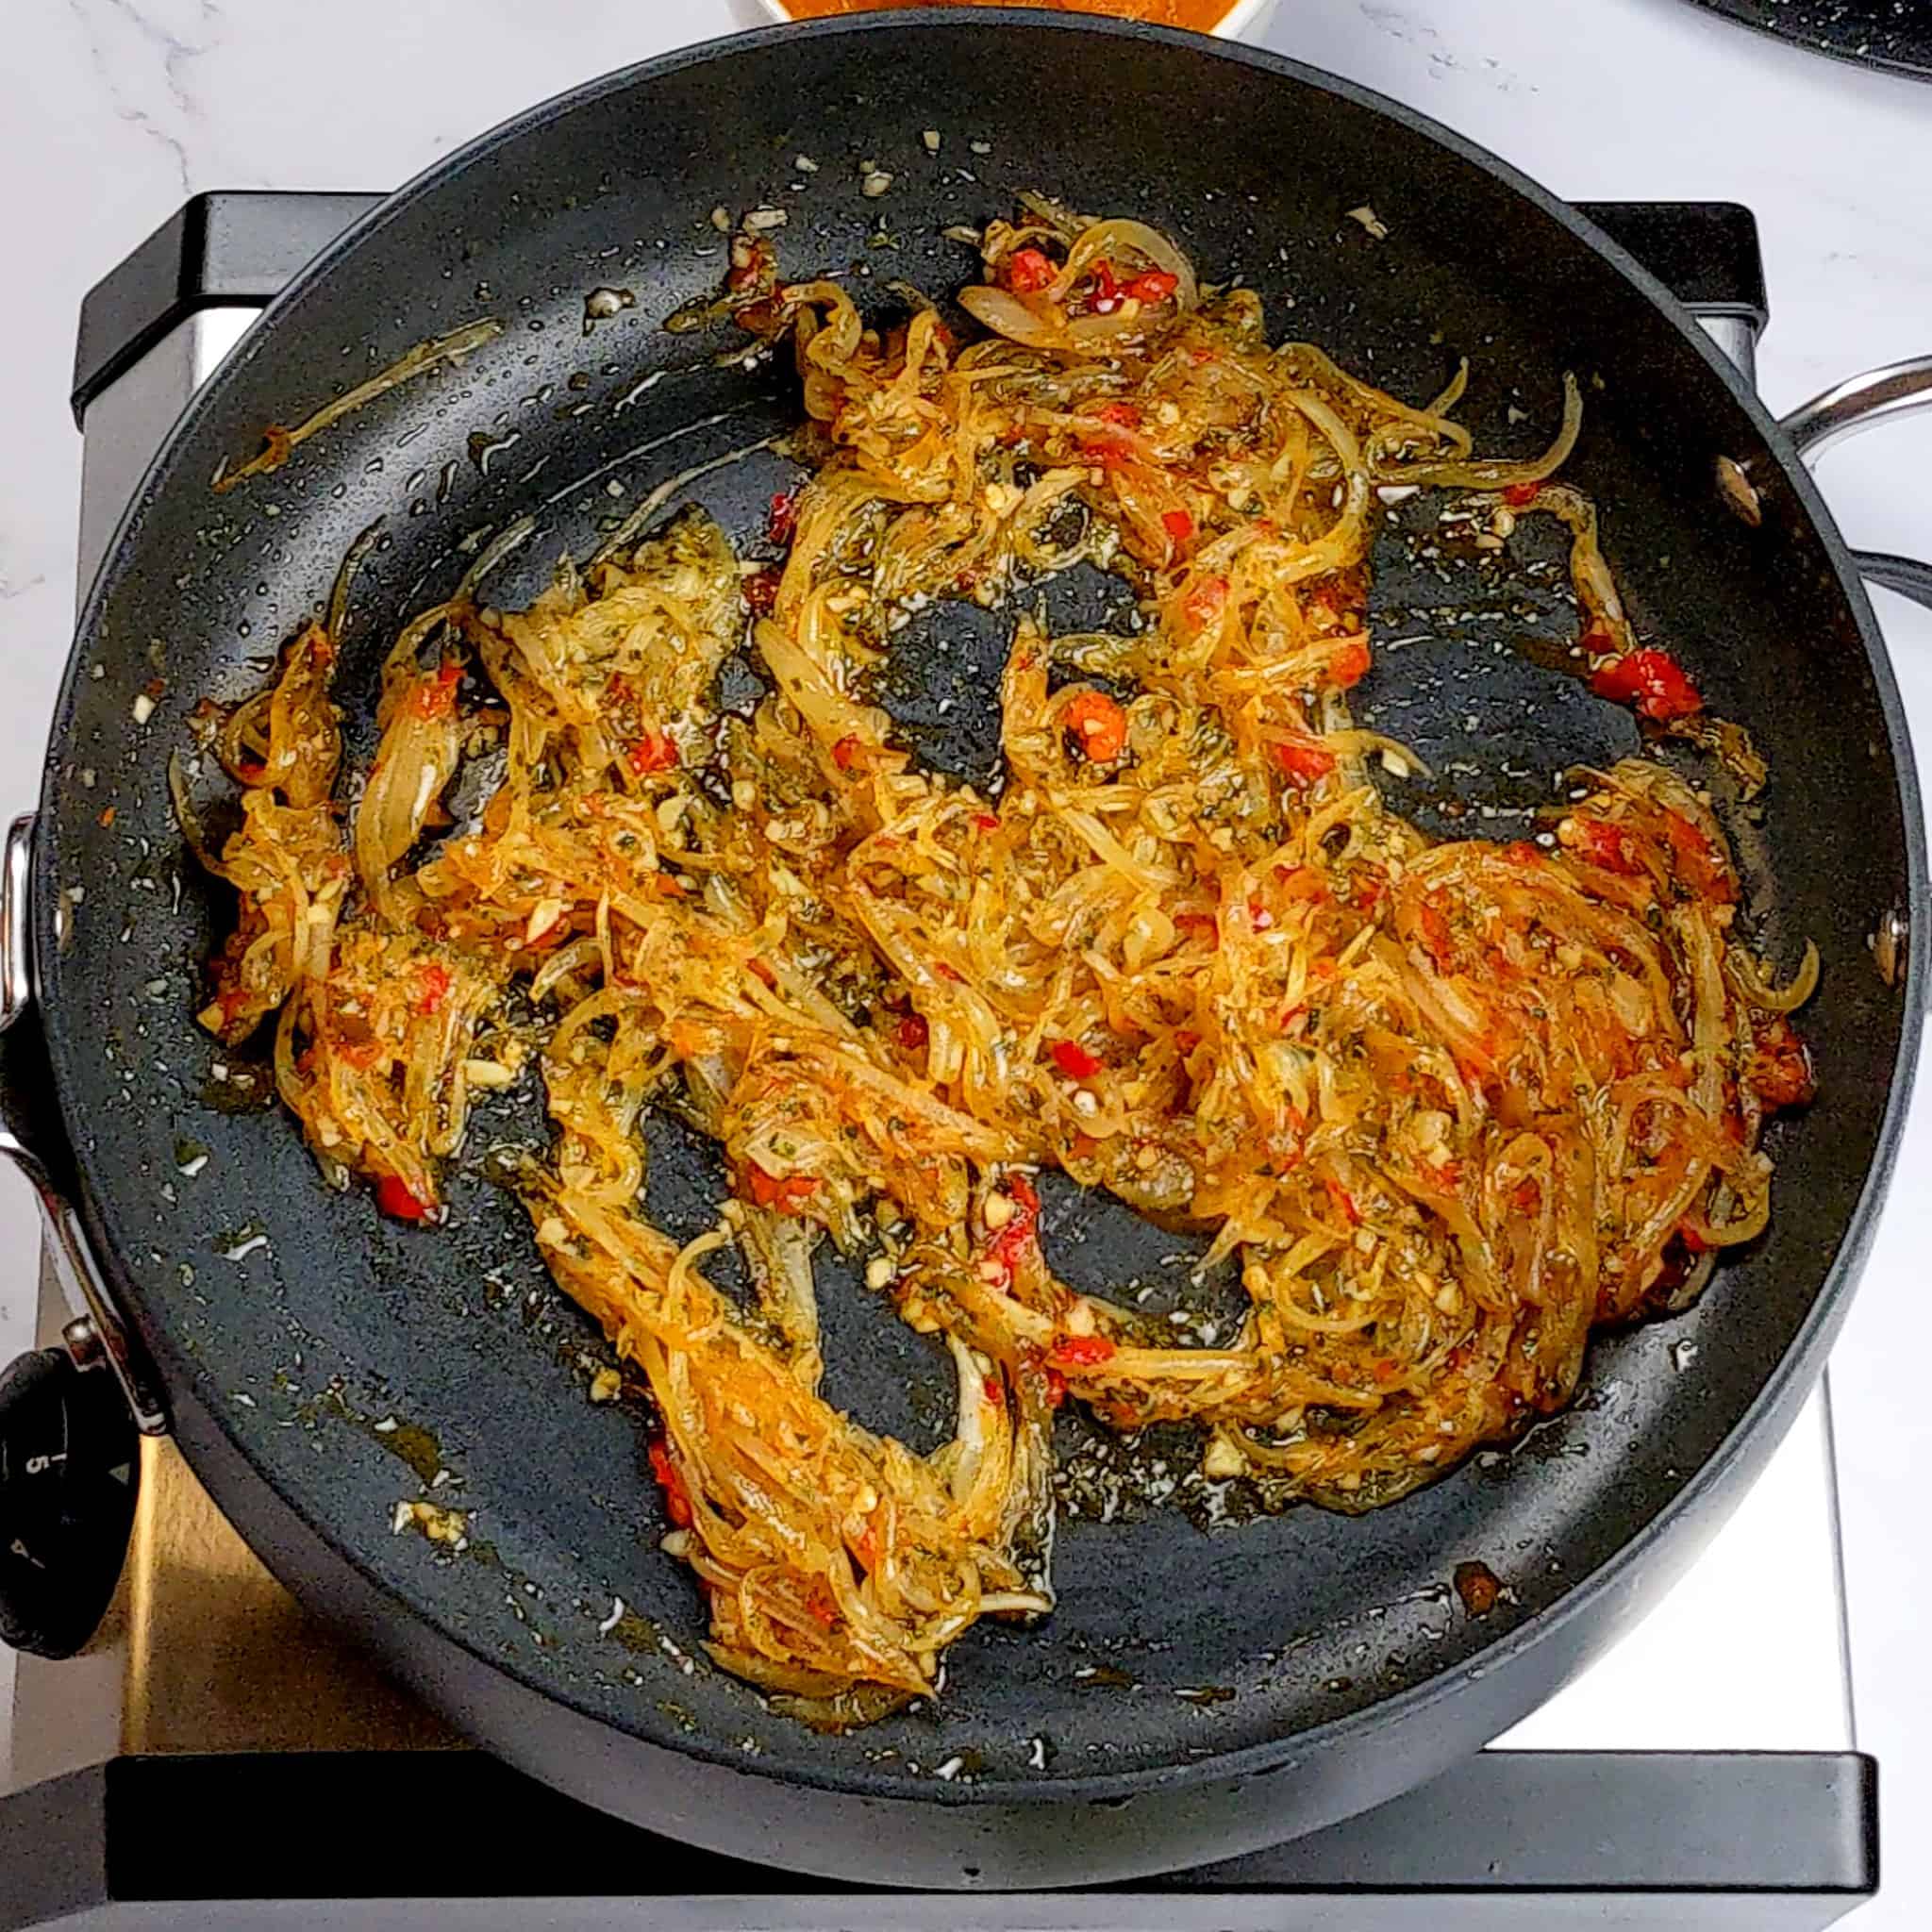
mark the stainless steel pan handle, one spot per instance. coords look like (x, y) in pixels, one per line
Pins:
(69, 1417)
(1904, 575)
(99, 1337)
(1863, 402)
(1858, 403)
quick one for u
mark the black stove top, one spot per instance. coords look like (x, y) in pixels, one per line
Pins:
(1513, 1840)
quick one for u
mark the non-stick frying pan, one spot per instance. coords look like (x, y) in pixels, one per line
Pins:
(1196, 1692)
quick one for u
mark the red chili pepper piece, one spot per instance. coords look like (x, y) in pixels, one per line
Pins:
(1028, 270)
(1179, 525)
(1653, 681)
(1107, 294)
(1779, 1071)
(1522, 852)
(1437, 937)
(1074, 1061)
(1344, 1200)
(914, 1033)
(1055, 1388)
(232, 1001)
(1608, 846)
(1081, 1352)
(1349, 665)
(1025, 1217)
(787, 1193)
(781, 523)
(435, 984)
(848, 752)
(654, 752)
(436, 697)
(1521, 495)
(676, 1497)
(985, 822)
(1153, 285)
(995, 1391)
(1697, 861)
(1305, 764)
(1009, 1244)
(1122, 415)
(761, 593)
(399, 1201)
(1097, 724)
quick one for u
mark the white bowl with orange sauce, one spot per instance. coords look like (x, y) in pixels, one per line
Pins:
(1227, 20)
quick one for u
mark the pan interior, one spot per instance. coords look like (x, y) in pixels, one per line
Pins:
(361, 1365)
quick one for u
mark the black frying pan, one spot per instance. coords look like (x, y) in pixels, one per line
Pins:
(1195, 1694)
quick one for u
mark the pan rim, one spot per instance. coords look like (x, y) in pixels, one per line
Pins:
(1802, 1359)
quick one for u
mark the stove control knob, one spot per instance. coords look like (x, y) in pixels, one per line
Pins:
(70, 1468)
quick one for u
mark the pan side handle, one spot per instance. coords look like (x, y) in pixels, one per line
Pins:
(31, 1140)
(1864, 402)
(1904, 575)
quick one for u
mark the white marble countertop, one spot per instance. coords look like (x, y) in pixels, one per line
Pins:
(113, 110)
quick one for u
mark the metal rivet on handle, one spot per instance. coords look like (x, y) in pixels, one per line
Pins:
(83, 1343)
(1739, 493)
(1889, 945)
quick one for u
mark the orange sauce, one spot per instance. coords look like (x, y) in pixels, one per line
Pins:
(1202, 15)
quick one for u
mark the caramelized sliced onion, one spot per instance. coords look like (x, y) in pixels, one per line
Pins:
(1498, 473)
(1746, 974)
(1450, 1101)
